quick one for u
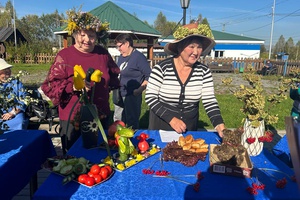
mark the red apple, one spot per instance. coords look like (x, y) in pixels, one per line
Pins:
(112, 129)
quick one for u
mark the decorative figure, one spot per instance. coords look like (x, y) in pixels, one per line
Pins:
(231, 150)
(143, 144)
(124, 143)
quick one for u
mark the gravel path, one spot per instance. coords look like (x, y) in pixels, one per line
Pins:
(269, 85)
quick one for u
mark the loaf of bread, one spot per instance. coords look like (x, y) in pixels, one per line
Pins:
(204, 150)
(195, 145)
(189, 139)
(181, 141)
(188, 143)
(187, 146)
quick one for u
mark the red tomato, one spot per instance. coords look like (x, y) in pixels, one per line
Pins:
(109, 169)
(90, 174)
(104, 172)
(90, 181)
(95, 169)
(98, 178)
(82, 178)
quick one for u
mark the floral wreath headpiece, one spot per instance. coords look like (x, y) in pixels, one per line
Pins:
(198, 31)
(193, 29)
(78, 20)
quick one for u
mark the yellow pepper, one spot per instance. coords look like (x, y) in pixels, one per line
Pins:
(78, 68)
(96, 76)
(78, 81)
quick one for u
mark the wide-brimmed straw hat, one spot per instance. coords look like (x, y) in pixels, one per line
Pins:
(4, 64)
(198, 31)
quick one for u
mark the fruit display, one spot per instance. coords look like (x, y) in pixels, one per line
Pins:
(79, 170)
(186, 150)
(112, 134)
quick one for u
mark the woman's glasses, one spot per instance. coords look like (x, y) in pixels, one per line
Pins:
(119, 46)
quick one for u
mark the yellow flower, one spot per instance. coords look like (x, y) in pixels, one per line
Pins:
(96, 76)
(153, 151)
(78, 81)
(130, 163)
(80, 71)
(104, 26)
(139, 157)
(71, 27)
(120, 166)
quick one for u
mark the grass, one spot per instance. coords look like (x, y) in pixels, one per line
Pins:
(228, 103)
(231, 114)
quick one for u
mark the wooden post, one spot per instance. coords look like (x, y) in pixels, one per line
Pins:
(150, 44)
(65, 40)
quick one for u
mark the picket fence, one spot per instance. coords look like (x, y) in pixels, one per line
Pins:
(284, 67)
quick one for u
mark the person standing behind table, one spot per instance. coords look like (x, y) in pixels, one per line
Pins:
(295, 95)
(14, 118)
(59, 85)
(135, 71)
(267, 66)
(177, 84)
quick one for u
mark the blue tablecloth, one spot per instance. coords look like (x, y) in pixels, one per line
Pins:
(282, 151)
(21, 156)
(133, 184)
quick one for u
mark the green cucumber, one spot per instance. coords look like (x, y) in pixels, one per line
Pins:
(66, 170)
(83, 160)
(72, 161)
(79, 168)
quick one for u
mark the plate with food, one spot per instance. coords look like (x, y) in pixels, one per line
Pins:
(79, 170)
(187, 150)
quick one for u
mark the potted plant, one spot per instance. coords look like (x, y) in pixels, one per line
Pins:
(256, 109)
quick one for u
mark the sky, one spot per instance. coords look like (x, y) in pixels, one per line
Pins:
(251, 18)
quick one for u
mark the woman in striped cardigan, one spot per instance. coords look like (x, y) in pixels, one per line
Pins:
(178, 83)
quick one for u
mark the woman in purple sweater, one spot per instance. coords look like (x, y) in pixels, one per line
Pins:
(59, 85)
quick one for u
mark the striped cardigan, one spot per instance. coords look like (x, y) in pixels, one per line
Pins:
(165, 91)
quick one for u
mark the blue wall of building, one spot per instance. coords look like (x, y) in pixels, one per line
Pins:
(237, 47)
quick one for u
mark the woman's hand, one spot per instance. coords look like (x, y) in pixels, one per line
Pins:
(219, 128)
(8, 116)
(139, 90)
(178, 125)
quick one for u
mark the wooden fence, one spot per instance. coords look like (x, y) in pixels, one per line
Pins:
(39, 58)
(284, 67)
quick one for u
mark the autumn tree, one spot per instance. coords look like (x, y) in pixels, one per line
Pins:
(6, 18)
(279, 46)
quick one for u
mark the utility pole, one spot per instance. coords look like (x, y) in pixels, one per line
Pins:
(272, 28)
(15, 32)
(223, 27)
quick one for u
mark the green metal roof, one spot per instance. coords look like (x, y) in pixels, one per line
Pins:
(218, 35)
(120, 20)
